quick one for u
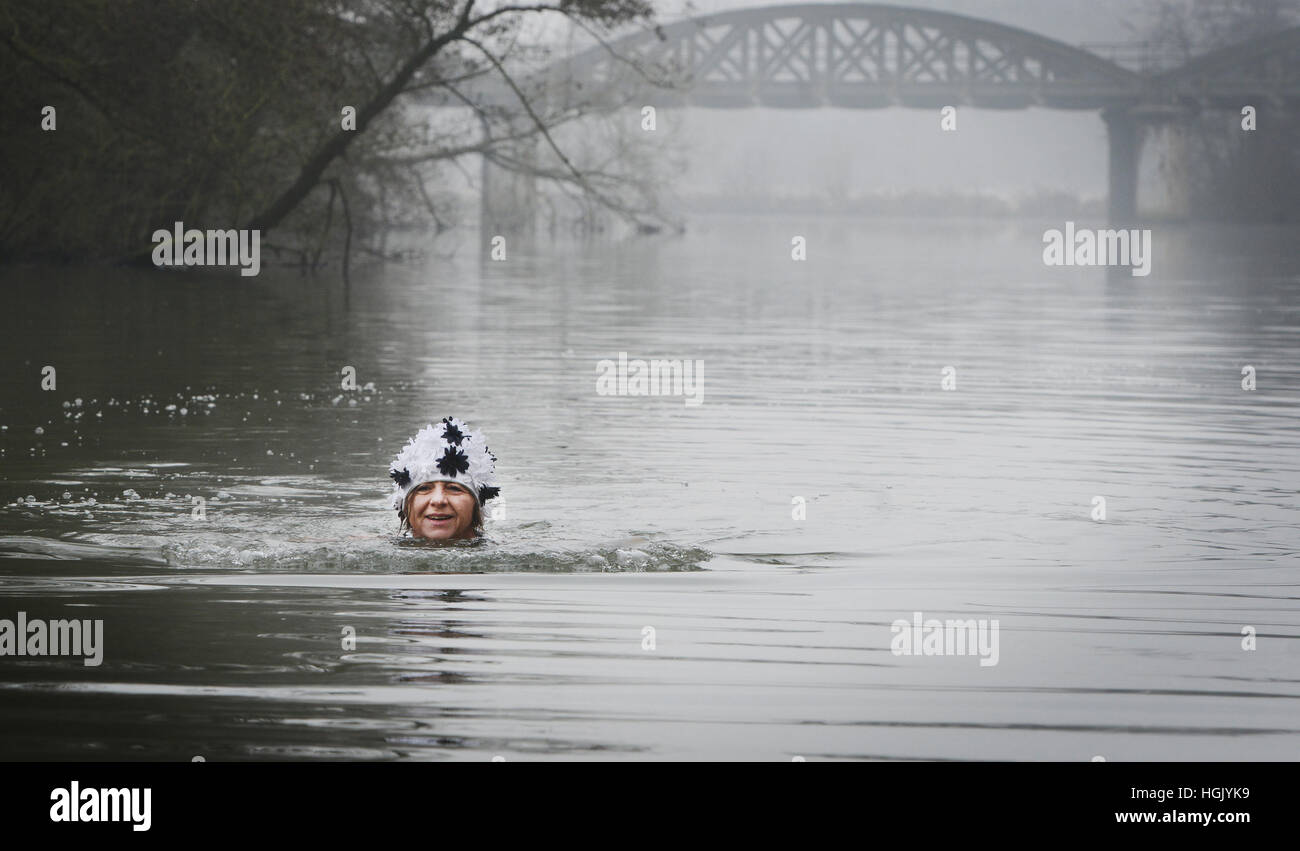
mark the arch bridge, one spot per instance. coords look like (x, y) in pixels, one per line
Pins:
(868, 56)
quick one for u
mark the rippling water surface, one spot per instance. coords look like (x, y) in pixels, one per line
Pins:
(224, 634)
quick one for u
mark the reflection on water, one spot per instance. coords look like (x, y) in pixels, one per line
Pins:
(202, 484)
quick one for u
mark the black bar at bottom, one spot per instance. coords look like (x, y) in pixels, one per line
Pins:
(245, 800)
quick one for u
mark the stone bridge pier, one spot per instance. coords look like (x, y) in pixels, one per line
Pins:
(1124, 139)
(1126, 131)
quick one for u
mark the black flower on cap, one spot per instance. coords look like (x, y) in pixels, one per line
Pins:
(486, 492)
(451, 433)
(402, 477)
(453, 462)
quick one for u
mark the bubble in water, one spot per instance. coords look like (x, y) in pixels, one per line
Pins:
(40, 430)
(223, 495)
(130, 493)
(31, 500)
(90, 501)
(67, 495)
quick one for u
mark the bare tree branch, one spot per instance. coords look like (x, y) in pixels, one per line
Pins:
(577, 176)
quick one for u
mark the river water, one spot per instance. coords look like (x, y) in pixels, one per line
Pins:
(666, 581)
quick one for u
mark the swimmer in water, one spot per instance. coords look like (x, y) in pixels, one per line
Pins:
(441, 479)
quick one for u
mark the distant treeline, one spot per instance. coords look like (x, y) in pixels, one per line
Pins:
(904, 204)
(125, 116)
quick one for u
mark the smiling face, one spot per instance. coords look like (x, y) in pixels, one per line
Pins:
(442, 511)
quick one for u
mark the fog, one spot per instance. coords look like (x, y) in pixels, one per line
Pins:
(835, 153)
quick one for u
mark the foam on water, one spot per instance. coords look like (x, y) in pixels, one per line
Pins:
(312, 528)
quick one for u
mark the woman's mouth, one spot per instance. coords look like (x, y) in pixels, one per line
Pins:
(439, 518)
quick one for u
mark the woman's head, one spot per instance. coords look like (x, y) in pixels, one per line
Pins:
(441, 479)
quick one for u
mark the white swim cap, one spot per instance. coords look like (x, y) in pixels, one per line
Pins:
(446, 452)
